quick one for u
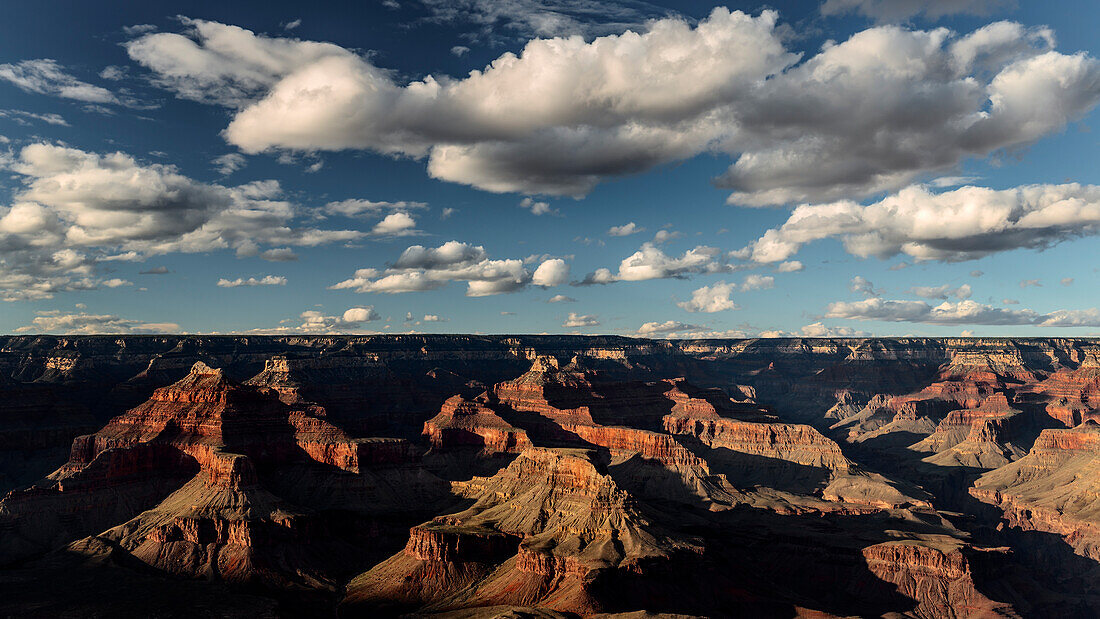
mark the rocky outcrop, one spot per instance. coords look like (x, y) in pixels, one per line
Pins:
(939, 579)
(541, 531)
(463, 423)
(1055, 488)
(184, 473)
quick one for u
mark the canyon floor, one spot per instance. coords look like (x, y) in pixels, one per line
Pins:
(548, 476)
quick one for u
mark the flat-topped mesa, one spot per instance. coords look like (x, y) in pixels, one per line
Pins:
(1054, 488)
(463, 423)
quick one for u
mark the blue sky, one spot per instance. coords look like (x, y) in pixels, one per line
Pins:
(882, 167)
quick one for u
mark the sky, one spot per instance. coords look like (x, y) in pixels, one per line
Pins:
(678, 169)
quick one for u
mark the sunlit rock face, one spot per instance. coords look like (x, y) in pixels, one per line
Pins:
(555, 476)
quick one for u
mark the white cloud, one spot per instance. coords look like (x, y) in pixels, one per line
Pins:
(960, 313)
(863, 286)
(898, 10)
(663, 236)
(790, 266)
(649, 262)
(396, 224)
(1010, 301)
(565, 114)
(266, 280)
(561, 298)
(819, 329)
(1030, 283)
(757, 282)
(553, 272)
(46, 77)
(90, 324)
(942, 292)
(360, 314)
(21, 117)
(116, 283)
(1067, 281)
(76, 209)
(279, 254)
(227, 65)
(314, 321)
(537, 208)
(422, 268)
(291, 25)
(433, 318)
(369, 208)
(963, 224)
(578, 320)
(625, 230)
(228, 163)
(710, 299)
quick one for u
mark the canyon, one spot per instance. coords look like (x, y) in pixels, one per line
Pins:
(549, 476)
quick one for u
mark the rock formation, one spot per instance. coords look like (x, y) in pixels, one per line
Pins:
(554, 476)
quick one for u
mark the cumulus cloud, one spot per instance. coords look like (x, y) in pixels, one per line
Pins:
(897, 10)
(942, 292)
(561, 298)
(396, 224)
(91, 324)
(960, 313)
(370, 208)
(77, 209)
(46, 77)
(1030, 283)
(314, 321)
(963, 224)
(578, 320)
(710, 299)
(266, 280)
(553, 272)
(421, 268)
(649, 262)
(564, 114)
(537, 207)
(790, 266)
(625, 230)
